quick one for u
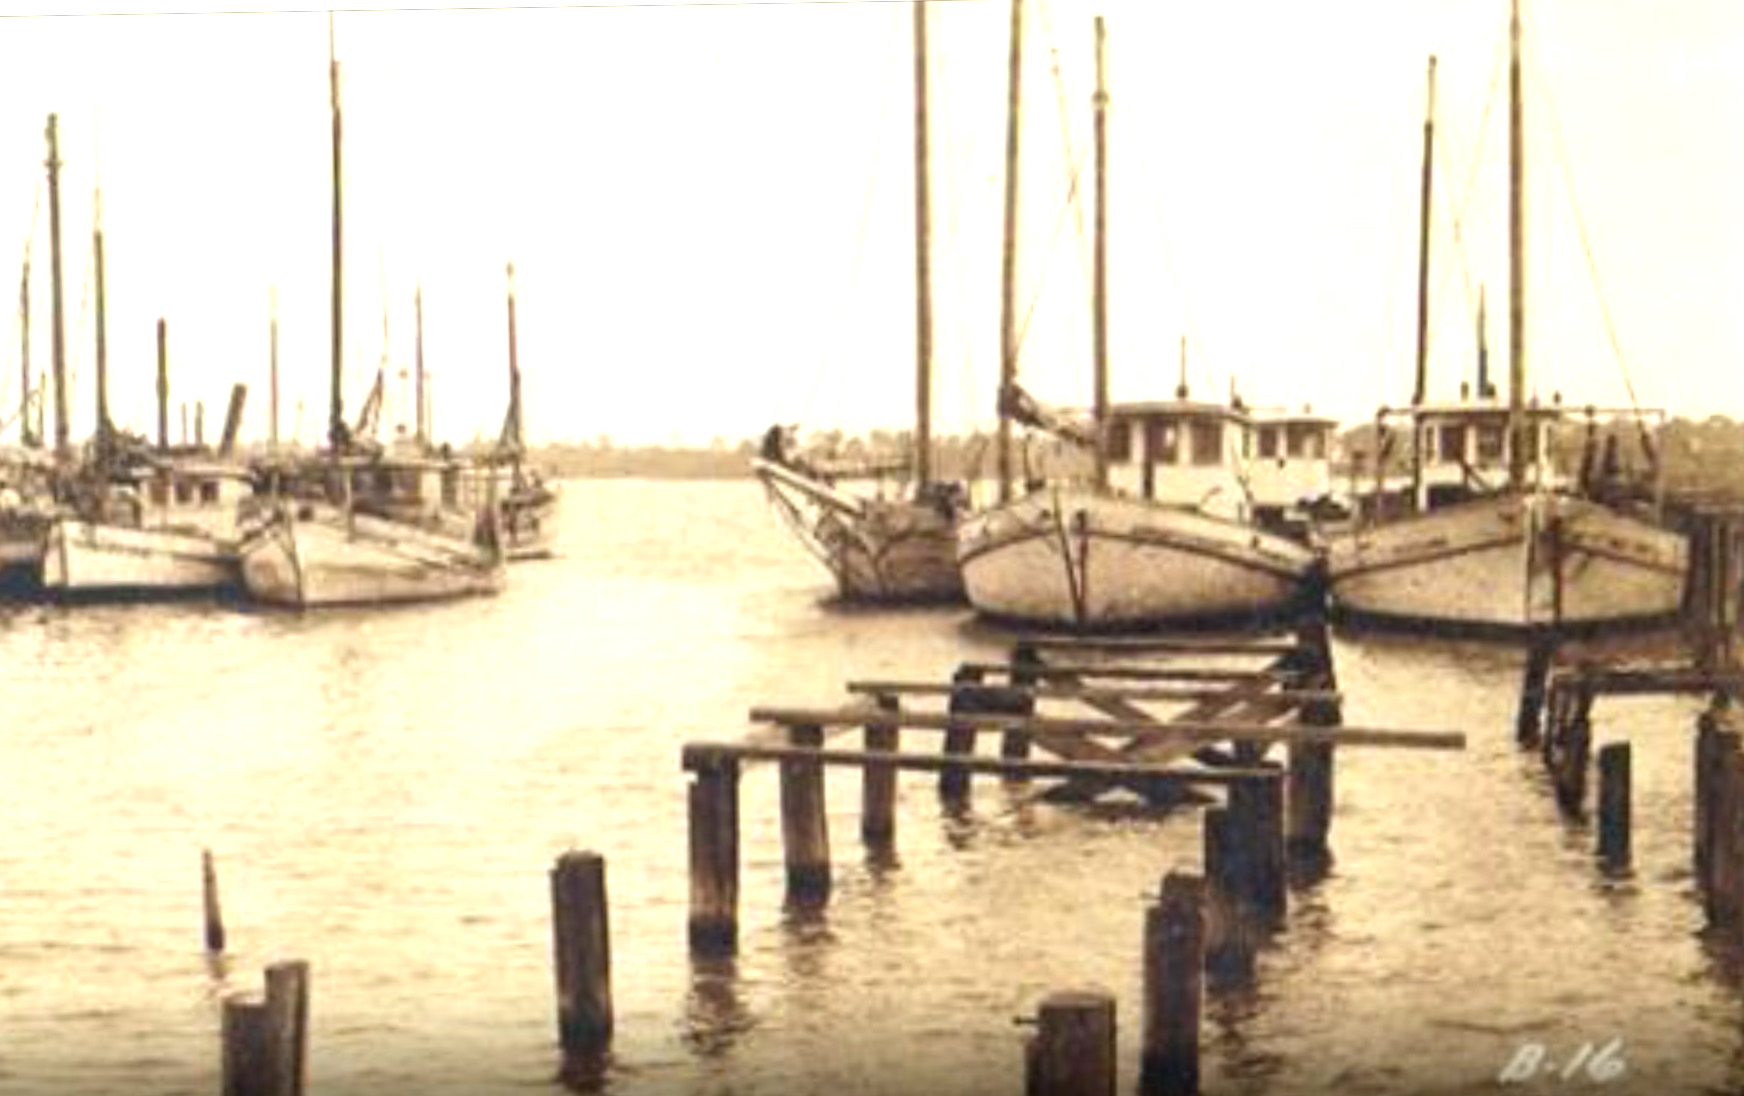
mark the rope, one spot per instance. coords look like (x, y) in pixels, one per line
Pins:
(1062, 102)
(1459, 210)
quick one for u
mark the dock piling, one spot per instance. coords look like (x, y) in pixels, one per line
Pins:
(805, 832)
(582, 944)
(1256, 804)
(264, 1043)
(1229, 952)
(1539, 657)
(214, 914)
(878, 781)
(1174, 965)
(714, 853)
(1073, 1050)
(1614, 805)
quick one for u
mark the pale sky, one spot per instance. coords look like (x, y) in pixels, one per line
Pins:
(709, 206)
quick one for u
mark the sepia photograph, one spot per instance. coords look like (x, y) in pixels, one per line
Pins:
(872, 547)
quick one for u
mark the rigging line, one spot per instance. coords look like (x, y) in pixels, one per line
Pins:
(833, 339)
(1462, 207)
(1062, 101)
(481, 7)
(1580, 222)
(1053, 245)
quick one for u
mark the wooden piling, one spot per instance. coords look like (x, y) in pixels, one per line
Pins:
(714, 854)
(214, 914)
(1257, 806)
(287, 1021)
(1706, 755)
(1015, 745)
(878, 781)
(1174, 964)
(1073, 1051)
(954, 783)
(247, 1053)
(1229, 952)
(1539, 657)
(583, 960)
(1723, 850)
(1614, 806)
(805, 833)
(1573, 755)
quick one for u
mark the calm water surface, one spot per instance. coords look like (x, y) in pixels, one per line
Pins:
(385, 791)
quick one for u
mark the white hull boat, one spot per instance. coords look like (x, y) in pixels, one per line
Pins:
(878, 550)
(1075, 558)
(85, 557)
(320, 556)
(1511, 562)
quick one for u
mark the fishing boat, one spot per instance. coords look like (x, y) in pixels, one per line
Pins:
(1490, 536)
(338, 531)
(1165, 532)
(882, 549)
(526, 503)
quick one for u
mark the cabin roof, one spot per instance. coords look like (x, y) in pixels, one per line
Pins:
(1178, 409)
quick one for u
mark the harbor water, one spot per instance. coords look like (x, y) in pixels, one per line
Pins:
(385, 791)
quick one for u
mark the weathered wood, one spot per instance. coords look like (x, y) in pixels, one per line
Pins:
(1229, 940)
(966, 698)
(213, 912)
(1257, 804)
(1201, 731)
(1161, 645)
(1539, 657)
(248, 1061)
(1614, 805)
(714, 853)
(1174, 964)
(1574, 753)
(805, 833)
(1059, 689)
(878, 781)
(583, 952)
(287, 1022)
(1135, 770)
(1723, 866)
(1133, 671)
(1706, 761)
(1073, 1050)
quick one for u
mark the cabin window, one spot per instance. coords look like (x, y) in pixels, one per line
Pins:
(1491, 447)
(1207, 443)
(1120, 441)
(1453, 444)
(1268, 442)
(209, 494)
(1162, 442)
(184, 491)
(1306, 440)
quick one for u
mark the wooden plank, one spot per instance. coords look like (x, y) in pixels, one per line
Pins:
(704, 755)
(1207, 731)
(1061, 690)
(1160, 645)
(1131, 671)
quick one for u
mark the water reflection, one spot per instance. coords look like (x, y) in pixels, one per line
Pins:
(715, 1013)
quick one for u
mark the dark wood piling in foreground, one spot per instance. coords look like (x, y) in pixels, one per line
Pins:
(1014, 745)
(960, 739)
(1256, 804)
(714, 851)
(1229, 940)
(878, 781)
(1539, 657)
(805, 832)
(581, 938)
(1174, 964)
(1569, 747)
(1725, 805)
(265, 1042)
(1706, 761)
(1614, 806)
(1073, 1050)
(213, 912)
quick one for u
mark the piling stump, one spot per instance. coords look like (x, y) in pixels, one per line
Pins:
(287, 1020)
(805, 832)
(1257, 806)
(1174, 964)
(878, 782)
(1229, 939)
(1614, 806)
(213, 912)
(1723, 852)
(247, 1055)
(1073, 1051)
(1529, 718)
(714, 854)
(582, 944)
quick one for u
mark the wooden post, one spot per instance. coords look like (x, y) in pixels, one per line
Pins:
(1538, 661)
(805, 833)
(287, 1021)
(247, 1051)
(214, 915)
(1706, 753)
(1614, 812)
(1174, 964)
(1310, 796)
(954, 783)
(1073, 1052)
(1015, 745)
(1574, 752)
(714, 855)
(1257, 805)
(878, 781)
(583, 952)
(1723, 850)
(1229, 957)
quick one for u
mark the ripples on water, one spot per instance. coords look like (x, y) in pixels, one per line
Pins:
(385, 791)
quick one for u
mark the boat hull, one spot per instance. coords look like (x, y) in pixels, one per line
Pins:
(1511, 563)
(84, 557)
(323, 559)
(878, 551)
(1087, 561)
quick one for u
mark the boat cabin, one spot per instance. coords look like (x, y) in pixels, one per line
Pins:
(205, 495)
(1290, 467)
(1182, 453)
(1465, 449)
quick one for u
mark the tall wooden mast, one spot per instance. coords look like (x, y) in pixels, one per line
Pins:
(273, 371)
(1425, 218)
(102, 432)
(336, 432)
(1008, 260)
(1099, 291)
(163, 385)
(923, 285)
(419, 407)
(1517, 431)
(58, 312)
(513, 432)
(26, 437)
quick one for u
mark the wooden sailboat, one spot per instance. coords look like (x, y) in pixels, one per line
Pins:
(883, 550)
(1165, 531)
(27, 477)
(336, 535)
(526, 503)
(1475, 550)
